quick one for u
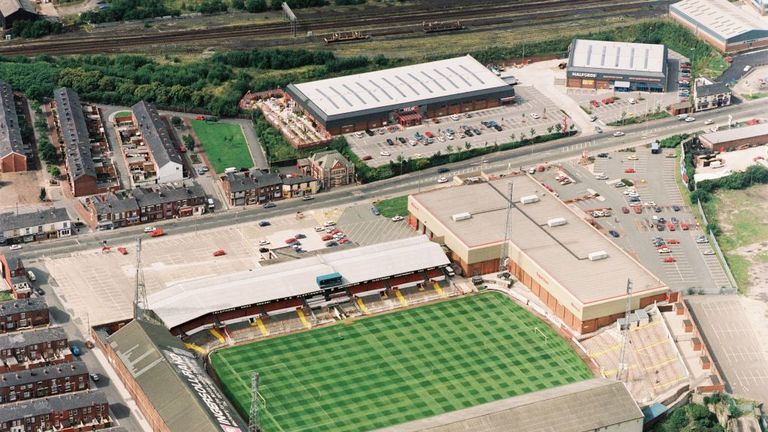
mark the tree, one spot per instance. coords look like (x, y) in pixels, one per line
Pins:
(559, 127)
(533, 132)
(522, 136)
(449, 149)
(43, 194)
(54, 171)
(176, 121)
(189, 142)
(550, 129)
(467, 145)
(256, 6)
(512, 137)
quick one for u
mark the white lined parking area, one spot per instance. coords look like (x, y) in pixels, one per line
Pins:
(732, 341)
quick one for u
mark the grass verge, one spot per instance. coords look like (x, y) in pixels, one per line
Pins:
(388, 369)
(393, 206)
(224, 144)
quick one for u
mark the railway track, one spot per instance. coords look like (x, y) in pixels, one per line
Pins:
(400, 22)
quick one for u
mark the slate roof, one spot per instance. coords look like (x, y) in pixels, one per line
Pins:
(167, 194)
(113, 203)
(298, 179)
(239, 182)
(8, 7)
(10, 133)
(29, 376)
(328, 158)
(11, 221)
(31, 337)
(43, 406)
(74, 131)
(31, 304)
(155, 134)
(712, 89)
(152, 355)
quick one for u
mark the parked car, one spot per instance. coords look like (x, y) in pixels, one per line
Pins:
(75, 350)
(263, 242)
(669, 259)
(602, 155)
(614, 233)
(619, 134)
(94, 377)
(676, 208)
(149, 229)
(673, 241)
(535, 116)
(397, 218)
(625, 210)
(684, 226)
(442, 180)
(402, 140)
(331, 244)
(375, 211)
(270, 205)
(264, 223)
(702, 239)
(390, 142)
(385, 153)
(630, 171)
(708, 252)
(327, 237)
(443, 170)
(638, 210)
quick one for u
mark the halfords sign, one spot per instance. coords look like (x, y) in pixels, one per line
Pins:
(204, 389)
(584, 75)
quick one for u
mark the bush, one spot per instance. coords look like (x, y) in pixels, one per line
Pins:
(126, 10)
(54, 171)
(211, 6)
(36, 29)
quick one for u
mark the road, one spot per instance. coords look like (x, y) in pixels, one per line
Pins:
(639, 134)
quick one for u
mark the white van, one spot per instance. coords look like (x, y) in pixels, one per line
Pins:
(31, 275)
(211, 204)
(230, 170)
(747, 68)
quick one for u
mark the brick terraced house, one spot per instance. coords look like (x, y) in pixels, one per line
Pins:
(43, 382)
(24, 313)
(75, 412)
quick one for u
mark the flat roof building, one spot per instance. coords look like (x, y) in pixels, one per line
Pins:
(588, 406)
(722, 24)
(13, 152)
(403, 94)
(575, 270)
(188, 306)
(736, 138)
(621, 66)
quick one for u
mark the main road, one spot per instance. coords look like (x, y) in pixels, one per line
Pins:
(636, 135)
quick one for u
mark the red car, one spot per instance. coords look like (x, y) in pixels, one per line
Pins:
(673, 241)
(671, 226)
(625, 210)
(327, 237)
(290, 240)
(219, 252)
(629, 171)
(428, 134)
(638, 210)
(594, 103)
(669, 259)
(344, 241)
(122, 250)
(336, 231)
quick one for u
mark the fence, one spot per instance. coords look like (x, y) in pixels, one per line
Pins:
(716, 246)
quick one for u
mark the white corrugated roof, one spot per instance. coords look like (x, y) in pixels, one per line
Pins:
(722, 17)
(618, 56)
(400, 85)
(187, 300)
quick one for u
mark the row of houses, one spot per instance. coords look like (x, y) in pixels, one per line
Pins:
(13, 278)
(14, 153)
(33, 226)
(144, 205)
(321, 171)
(82, 138)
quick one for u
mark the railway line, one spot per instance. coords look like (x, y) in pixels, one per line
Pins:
(402, 21)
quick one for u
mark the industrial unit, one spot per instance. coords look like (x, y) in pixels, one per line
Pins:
(574, 269)
(735, 139)
(722, 24)
(403, 95)
(620, 66)
(191, 306)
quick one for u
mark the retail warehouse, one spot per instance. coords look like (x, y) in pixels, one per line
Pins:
(404, 95)
(620, 66)
(722, 24)
(327, 279)
(575, 270)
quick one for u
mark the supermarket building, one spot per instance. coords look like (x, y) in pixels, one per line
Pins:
(403, 95)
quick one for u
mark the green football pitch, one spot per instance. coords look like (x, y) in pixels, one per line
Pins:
(397, 367)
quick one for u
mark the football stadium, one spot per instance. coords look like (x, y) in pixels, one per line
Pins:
(388, 369)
